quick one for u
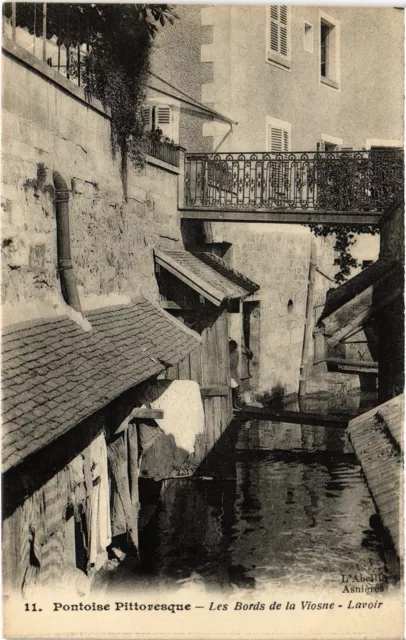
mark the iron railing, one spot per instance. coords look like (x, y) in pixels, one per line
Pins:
(162, 150)
(63, 51)
(320, 181)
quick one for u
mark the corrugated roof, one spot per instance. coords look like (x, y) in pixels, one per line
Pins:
(377, 438)
(207, 274)
(55, 374)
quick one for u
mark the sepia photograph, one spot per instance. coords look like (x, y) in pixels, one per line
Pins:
(202, 321)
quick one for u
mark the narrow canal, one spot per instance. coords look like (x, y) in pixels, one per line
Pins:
(293, 510)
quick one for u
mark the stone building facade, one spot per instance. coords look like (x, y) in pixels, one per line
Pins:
(261, 66)
(357, 104)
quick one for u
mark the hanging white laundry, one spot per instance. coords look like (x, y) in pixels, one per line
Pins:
(100, 529)
(183, 418)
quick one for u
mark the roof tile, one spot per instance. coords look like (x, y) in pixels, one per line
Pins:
(211, 269)
(55, 374)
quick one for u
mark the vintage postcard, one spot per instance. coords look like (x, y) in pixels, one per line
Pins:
(202, 321)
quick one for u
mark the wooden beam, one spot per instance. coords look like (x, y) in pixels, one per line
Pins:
(349, 366)
(282, 217)
(353, 363)
(143, 413)
(293, 417)
(346, 321)
(140, 413)
(215, 391)
(170, 305)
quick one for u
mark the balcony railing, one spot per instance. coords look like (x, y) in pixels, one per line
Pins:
(162, 150)
(355, 181)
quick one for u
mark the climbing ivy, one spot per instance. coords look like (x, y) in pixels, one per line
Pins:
(345, 238)
(118, 40)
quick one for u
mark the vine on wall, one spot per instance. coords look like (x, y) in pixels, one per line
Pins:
(345, 238)
(118, 39)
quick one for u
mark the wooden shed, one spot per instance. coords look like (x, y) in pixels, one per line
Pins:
(71, 436)
(201, 289)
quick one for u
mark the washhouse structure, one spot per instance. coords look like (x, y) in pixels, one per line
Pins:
(96, 369)
(120, 295)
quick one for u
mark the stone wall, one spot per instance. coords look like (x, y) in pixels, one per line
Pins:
(48, 125)
(277, 258)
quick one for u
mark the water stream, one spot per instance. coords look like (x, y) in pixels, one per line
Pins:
(296, 511)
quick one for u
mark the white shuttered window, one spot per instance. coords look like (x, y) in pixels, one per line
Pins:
(279, 34)
(158, 116)
(278, 135)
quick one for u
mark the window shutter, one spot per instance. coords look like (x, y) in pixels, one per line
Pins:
(283, 12)
(274, 28)
(278, 139)
(146, 115)
(164, 120)
(275, 139)
(164, 115)
(278, 29)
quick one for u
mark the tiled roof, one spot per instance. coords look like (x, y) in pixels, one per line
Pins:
(207, 274)
(219, 265)
(55, 374)
(377, 438)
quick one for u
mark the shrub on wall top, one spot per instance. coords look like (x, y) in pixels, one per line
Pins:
(118, 40)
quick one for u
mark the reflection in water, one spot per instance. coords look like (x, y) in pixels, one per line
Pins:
(338, 402)
(297, 513)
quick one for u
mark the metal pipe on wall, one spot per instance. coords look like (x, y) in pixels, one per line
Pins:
(308, 328)
(44, 31)
(65, 267)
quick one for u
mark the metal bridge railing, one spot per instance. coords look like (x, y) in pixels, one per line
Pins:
(356, 181)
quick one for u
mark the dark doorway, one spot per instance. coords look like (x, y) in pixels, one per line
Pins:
(252, 337)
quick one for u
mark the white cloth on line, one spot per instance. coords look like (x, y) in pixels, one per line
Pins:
(183, 418)
(100, 529)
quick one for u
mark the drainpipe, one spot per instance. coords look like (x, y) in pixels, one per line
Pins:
(65, 267)
(307, 336)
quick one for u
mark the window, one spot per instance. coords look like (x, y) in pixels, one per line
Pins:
(329, 51)
(162, 113)
(328, 146)
(278, 35)
(278, 180)
(159, 117)
(329, 143)
(278, 135)
(308, 37)
(325, 29)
